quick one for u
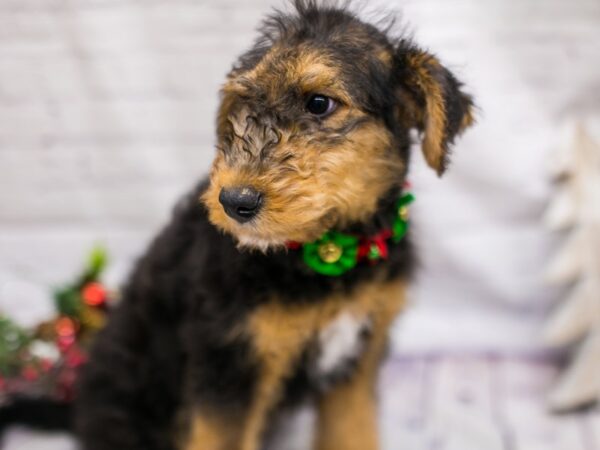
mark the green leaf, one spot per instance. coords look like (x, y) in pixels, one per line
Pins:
(68, 301)
(97, 261)
(406, 199)
(13, 341)
(343, 240)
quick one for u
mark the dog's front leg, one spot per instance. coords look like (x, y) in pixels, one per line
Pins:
(119, 405)
(239, 430)
(277, 336)
(347, 413)
(213, 431)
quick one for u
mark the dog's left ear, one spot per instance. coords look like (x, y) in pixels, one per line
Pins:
(431, 100)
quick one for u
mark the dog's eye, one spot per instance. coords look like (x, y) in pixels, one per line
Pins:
(320, 105)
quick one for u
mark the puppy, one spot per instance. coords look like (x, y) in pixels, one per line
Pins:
(277, 279)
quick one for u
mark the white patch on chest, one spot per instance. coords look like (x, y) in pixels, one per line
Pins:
(341, 342)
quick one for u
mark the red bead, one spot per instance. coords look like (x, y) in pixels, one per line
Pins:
(46, 364)
(64, 343)
(75, 357)
(29, 373)
(94, 294)
(293, 245)
(65, 327)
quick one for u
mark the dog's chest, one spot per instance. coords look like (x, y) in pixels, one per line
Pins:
(321, 342)
(338, 347)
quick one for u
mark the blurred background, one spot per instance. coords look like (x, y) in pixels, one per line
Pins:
(107, 117)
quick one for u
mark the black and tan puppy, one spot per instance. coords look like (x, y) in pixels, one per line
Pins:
(278, 278)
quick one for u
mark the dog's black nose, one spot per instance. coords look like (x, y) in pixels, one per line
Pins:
(241, 203)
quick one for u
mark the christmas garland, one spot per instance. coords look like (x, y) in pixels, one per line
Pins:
(45, 361)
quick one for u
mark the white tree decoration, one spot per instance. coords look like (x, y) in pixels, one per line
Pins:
(577, 321)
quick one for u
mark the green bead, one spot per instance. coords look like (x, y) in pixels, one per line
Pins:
(374, 252)
(399, 229)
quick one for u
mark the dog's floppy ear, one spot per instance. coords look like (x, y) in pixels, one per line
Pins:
(431, 100)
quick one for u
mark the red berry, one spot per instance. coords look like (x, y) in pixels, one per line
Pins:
(94, 294)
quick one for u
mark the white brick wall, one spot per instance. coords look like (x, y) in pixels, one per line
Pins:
(106, 116)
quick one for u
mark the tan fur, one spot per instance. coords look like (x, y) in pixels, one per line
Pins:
(279, 334)
(313, 73)
(313, 187)
(468, 120)
(208, 432)
(434, 118)
(385, 56)
(347, 414)
(308, 186)
(304, 67)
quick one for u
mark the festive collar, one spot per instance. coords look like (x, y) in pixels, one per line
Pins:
(335, 253)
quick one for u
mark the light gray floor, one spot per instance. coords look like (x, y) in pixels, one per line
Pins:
(444, 403)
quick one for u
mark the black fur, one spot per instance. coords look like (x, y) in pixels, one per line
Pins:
(39, 413)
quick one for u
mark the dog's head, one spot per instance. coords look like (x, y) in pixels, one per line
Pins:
(313, 126)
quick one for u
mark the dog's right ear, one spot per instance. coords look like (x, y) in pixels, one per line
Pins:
(431, 100)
